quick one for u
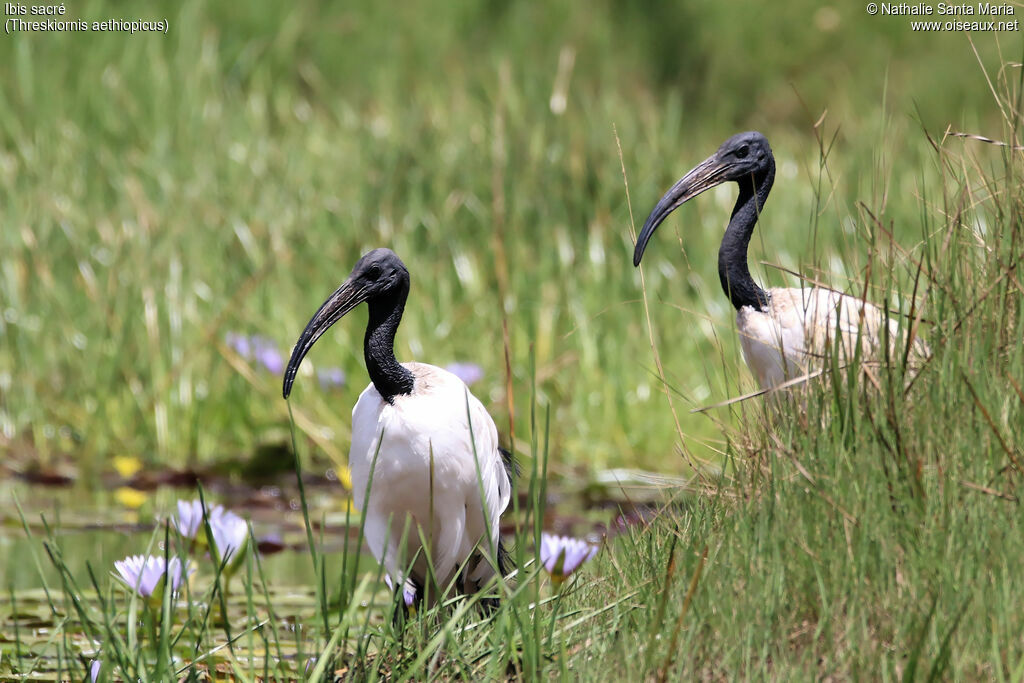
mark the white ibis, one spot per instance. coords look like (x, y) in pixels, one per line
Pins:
(784, 332)
(438, 474)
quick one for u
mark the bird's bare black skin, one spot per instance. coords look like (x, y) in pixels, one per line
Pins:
(746, 159)
(382, 281)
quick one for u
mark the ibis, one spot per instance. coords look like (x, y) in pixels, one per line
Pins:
(785, 333)
(427, 471)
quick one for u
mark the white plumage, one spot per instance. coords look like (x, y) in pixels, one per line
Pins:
(431, 422)
(439, 482)
(794, 336)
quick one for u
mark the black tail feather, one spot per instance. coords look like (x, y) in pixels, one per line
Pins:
(504, 559)
(511, 464)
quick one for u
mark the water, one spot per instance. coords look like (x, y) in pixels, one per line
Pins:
(100, 526)
(92, 527)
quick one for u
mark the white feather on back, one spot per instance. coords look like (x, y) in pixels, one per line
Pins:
(794, 336)
(431, 422)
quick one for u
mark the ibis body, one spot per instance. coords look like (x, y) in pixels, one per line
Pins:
(785, 332)
(426, 468)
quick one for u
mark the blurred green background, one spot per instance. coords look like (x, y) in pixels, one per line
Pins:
(160, 192)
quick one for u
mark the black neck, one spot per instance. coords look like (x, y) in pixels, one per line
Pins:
(388, 375)
(732, 255)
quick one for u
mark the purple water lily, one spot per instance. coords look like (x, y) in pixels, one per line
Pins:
(190, 517)
(330, 378)
(240, 343)
(145, 573)
(561, 555)
(270, 358)
(408, 594)
(230, 534)
(256, 348)
(467, 372)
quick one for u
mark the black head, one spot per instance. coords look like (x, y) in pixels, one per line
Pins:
(743, 156)
(378, 274)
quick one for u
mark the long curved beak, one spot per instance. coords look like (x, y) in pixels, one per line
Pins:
(704, 176)
(344, 299)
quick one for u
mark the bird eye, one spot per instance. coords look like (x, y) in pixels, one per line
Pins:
(373, 273)
(742, 152)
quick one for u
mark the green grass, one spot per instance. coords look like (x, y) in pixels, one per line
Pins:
(159, 192)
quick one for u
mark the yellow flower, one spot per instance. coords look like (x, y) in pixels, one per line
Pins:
(127, 465)
(130, 498)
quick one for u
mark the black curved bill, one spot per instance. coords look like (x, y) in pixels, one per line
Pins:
(704, 176)
(345, 298)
